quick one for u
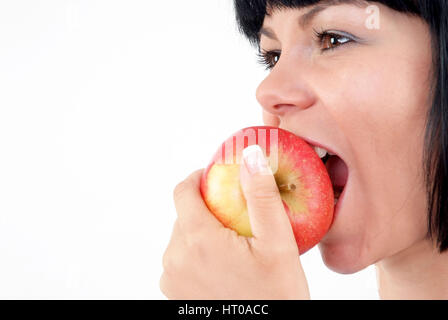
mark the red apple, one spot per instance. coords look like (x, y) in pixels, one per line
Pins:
(303, 181)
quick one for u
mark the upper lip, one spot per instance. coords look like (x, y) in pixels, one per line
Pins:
(317, 144)
(313, 143)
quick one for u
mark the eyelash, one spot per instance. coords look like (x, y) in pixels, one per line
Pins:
(267, 58)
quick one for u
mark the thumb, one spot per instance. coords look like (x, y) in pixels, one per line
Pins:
(267, 215)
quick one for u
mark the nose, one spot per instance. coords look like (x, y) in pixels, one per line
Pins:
(284, 91)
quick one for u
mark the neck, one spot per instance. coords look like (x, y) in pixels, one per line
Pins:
(419, 272)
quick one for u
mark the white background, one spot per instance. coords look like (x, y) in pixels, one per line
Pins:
(104, 107)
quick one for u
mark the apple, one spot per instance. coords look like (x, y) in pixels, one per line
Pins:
(302, 179)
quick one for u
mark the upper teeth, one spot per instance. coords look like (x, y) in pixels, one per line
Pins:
(320, 152)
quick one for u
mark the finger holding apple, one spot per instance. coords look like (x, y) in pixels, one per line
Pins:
(300, 176)
(207, 260)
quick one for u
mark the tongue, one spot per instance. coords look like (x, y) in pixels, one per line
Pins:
(338, 171)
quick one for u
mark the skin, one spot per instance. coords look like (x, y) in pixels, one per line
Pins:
(366, 100)
(195, 266)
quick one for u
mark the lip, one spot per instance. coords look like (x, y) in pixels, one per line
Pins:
(313, 143)
(317, 144)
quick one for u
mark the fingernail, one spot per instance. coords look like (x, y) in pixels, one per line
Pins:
(255, 161)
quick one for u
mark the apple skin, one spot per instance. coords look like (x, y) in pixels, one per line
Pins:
(304, 184)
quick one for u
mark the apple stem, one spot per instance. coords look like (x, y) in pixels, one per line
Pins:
(287, 187)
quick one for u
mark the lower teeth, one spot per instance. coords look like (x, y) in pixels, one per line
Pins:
(336, 200)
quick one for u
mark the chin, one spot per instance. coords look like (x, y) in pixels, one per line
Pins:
(342, 258)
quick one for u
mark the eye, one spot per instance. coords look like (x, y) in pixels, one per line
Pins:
(268, 59)
(330, 40)
(327, 41)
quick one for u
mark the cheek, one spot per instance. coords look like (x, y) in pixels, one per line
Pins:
(380, 107)
(373, 96)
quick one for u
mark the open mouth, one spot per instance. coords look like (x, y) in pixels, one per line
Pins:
(337, 170)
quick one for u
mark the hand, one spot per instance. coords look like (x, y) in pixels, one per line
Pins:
(205, 260)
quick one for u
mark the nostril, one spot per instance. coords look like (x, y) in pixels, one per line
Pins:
(283, 105)
(281, 109)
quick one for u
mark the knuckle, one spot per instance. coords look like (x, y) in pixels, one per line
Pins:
(190, 225)
(197, 248)
(175, 261)
(195, 240)
(180, 189)
(164, 285)
(167, 261)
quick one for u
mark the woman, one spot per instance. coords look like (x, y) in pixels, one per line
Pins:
(368, 80)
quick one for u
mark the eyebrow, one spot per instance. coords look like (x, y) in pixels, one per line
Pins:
(306, 18)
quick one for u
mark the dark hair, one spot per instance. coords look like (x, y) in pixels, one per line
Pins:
(250, 15)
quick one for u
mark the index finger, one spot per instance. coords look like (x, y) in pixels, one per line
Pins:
(190, 206)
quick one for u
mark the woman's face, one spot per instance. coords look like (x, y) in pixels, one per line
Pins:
(367, 101)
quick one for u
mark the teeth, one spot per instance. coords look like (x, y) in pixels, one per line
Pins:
(320, 152)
